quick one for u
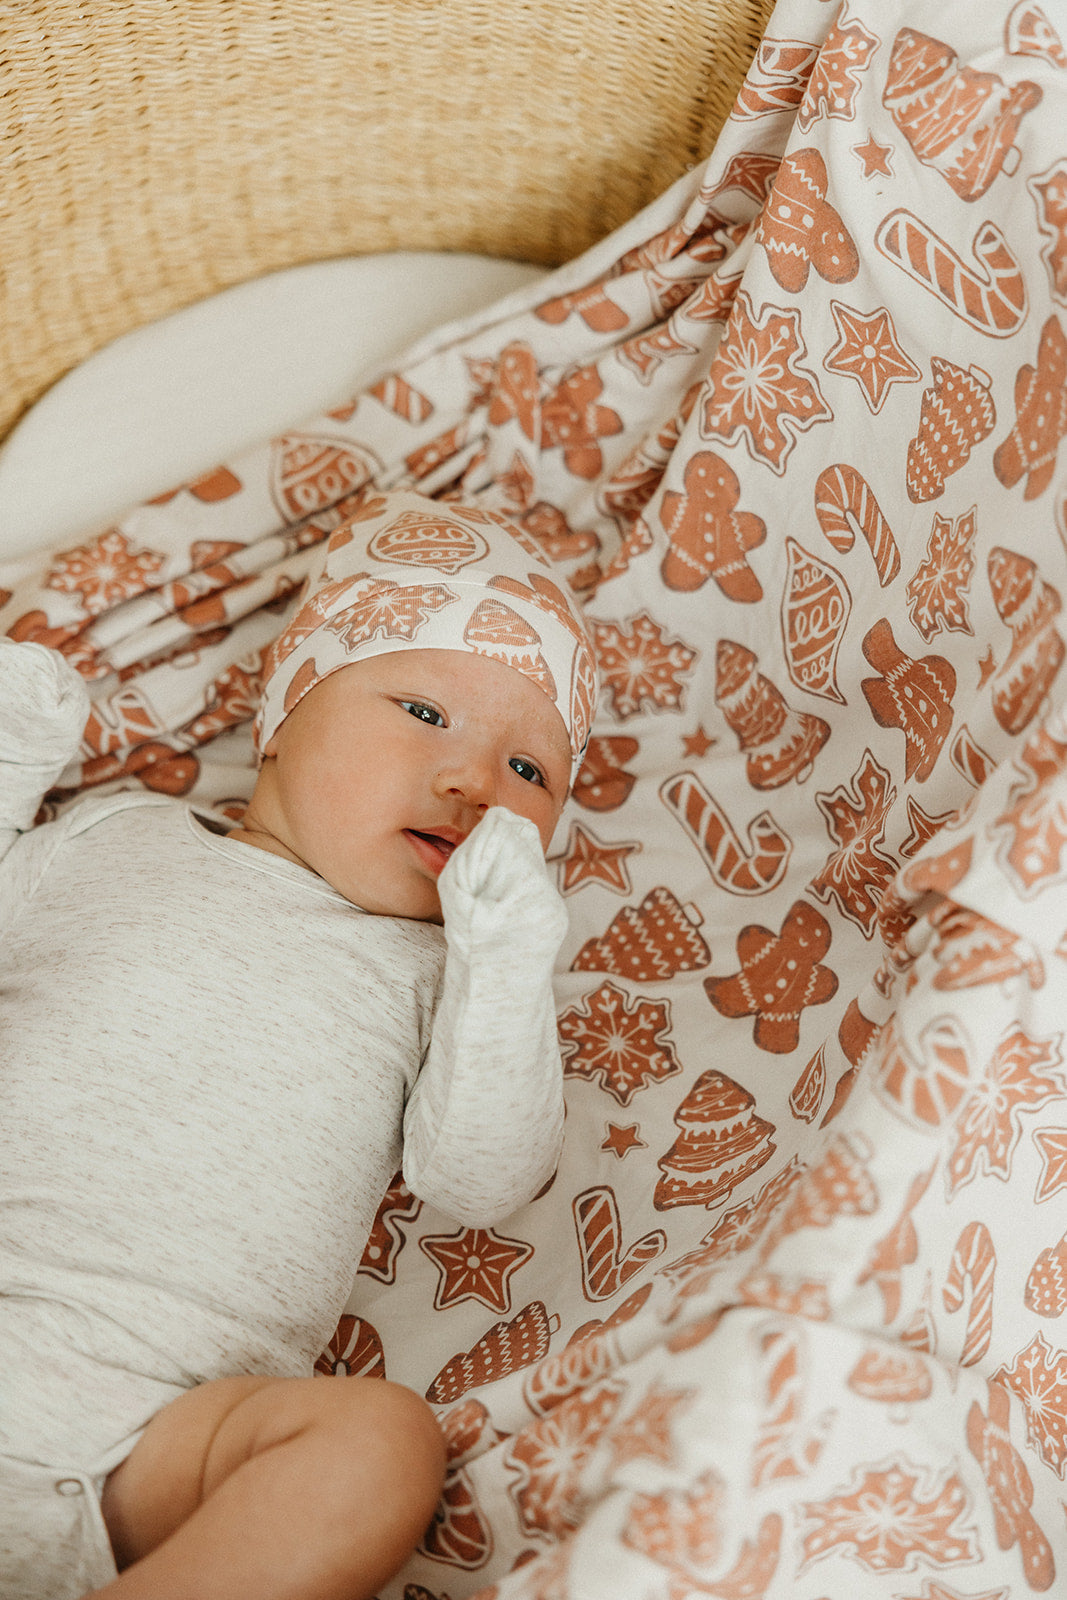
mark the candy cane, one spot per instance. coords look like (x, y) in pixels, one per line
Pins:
(754, 870)
(975, 1258)
(844, 502)
(606, 1266)
(993, 300)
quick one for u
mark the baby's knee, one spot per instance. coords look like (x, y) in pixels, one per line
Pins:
(407, 1428)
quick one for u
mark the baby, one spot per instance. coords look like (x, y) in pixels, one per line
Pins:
(216, 1044)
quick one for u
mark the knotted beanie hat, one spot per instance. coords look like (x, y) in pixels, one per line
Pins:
(409, 573)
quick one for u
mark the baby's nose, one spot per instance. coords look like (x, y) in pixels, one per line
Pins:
(471, 779)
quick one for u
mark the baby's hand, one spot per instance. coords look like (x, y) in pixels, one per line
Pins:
(496, 887)
(43, 705)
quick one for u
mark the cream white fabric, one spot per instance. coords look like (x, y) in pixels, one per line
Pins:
(56, 1510)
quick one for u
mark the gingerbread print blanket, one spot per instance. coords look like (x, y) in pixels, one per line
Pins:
(788, 1322)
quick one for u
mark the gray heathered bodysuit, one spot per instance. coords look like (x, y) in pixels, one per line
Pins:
(206, 1058)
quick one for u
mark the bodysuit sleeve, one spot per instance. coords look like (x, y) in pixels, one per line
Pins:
(483, 1125)
(43, 710)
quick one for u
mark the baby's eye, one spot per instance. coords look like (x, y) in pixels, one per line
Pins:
(526, 770)
(424, 713)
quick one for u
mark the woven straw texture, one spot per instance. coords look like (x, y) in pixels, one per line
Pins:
(157, 152)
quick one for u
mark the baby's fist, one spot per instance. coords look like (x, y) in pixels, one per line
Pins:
(44, 704)
(496, 886)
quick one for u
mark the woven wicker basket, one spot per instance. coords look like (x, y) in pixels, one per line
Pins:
(156, 151)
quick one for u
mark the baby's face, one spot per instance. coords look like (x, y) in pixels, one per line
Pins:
(386, 765)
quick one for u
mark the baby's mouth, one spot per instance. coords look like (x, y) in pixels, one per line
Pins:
(433, 848)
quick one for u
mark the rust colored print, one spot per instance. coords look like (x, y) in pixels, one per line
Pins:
(781, 975)
(386, 1238)
(1028, 32)
(428, 539)
(708, 536)
(588, 860)
(309, 473)
(868, 351)
(974, 1262)
(1052, 1147)
(788, 1445)
(574, 421)
(1040, 416)
(218, 484)
(647, 943)
(747, 866)
(385, 610)
(758, 388)
(956, 414)
(684, 1530)
(607, 1266)
(857, 871)
(104, 572)
(1029, 607)
(972, 951)
(777, 78)
(838, 73)
(459, 1535)
(1019, 1077)
(1038, 1377)
(1011, 1489)
(549, 1455)
(504, 1348)
(844, 506)
(990, 298)
(475, 1264)
(396, 394)
(800, 229)
(960, 121)
(938, 588)
(1049, 192)
(779, 743)
(815, 609)
(895, 1252)
(355, 1351)
(623, 1044)
(891, 1518)
(603, 784)
(1046, 1284)
(641, 669)
(721, 1142)
(1033, 828)
(914, 695)
(890, 1375)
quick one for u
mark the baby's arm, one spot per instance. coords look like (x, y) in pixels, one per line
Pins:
(484, 1123)
(43, 710)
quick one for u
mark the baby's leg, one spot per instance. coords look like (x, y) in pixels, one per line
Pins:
(274, 1489)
